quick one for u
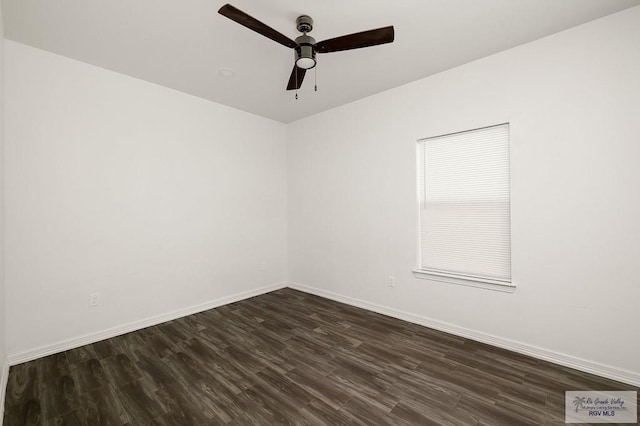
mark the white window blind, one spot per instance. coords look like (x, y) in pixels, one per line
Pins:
(465, 204)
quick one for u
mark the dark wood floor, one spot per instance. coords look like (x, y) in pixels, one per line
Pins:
(289, 357)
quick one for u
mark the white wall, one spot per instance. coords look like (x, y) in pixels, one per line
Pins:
(161, 201)
(157, 200)
(4, 371)
(573, 101)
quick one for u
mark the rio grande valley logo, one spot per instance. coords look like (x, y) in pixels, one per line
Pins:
(601, 407)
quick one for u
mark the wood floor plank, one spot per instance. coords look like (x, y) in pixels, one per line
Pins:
(27, 414)
(155, 372)
(366, 413)
(23, 384)
(181, 405)
(58, 397)
(320, 387)
(139, 402)
(71, 418)
(89, 375)
(120, 370)
(102, 407)
(481, 410)
(318, 413)
(429, 412)
(288, 357)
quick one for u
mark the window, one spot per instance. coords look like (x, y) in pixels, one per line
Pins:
(464, 195)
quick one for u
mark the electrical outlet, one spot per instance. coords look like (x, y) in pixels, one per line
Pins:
(94, 300)
(263, 266)
(392, 281)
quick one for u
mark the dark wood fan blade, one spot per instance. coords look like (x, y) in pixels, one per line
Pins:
(297, 75)
(357, 40)
(253, 24)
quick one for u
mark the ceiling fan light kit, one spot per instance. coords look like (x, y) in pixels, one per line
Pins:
(305, 47)
(305, 57)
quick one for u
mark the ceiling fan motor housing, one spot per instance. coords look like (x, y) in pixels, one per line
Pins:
(305, 53)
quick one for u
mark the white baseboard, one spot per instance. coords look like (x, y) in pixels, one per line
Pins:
(39, 352)
(4, 378)
(630, 377)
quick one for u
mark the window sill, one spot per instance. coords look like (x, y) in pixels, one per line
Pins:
(487, 284)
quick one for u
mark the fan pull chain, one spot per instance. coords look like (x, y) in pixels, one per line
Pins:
(315, 77)
(296, 68)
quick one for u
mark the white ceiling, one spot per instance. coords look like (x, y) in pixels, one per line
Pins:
(184, 44)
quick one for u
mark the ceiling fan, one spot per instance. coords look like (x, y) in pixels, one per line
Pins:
(305, 46)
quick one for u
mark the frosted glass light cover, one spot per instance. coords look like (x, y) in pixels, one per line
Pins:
(305, 63)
